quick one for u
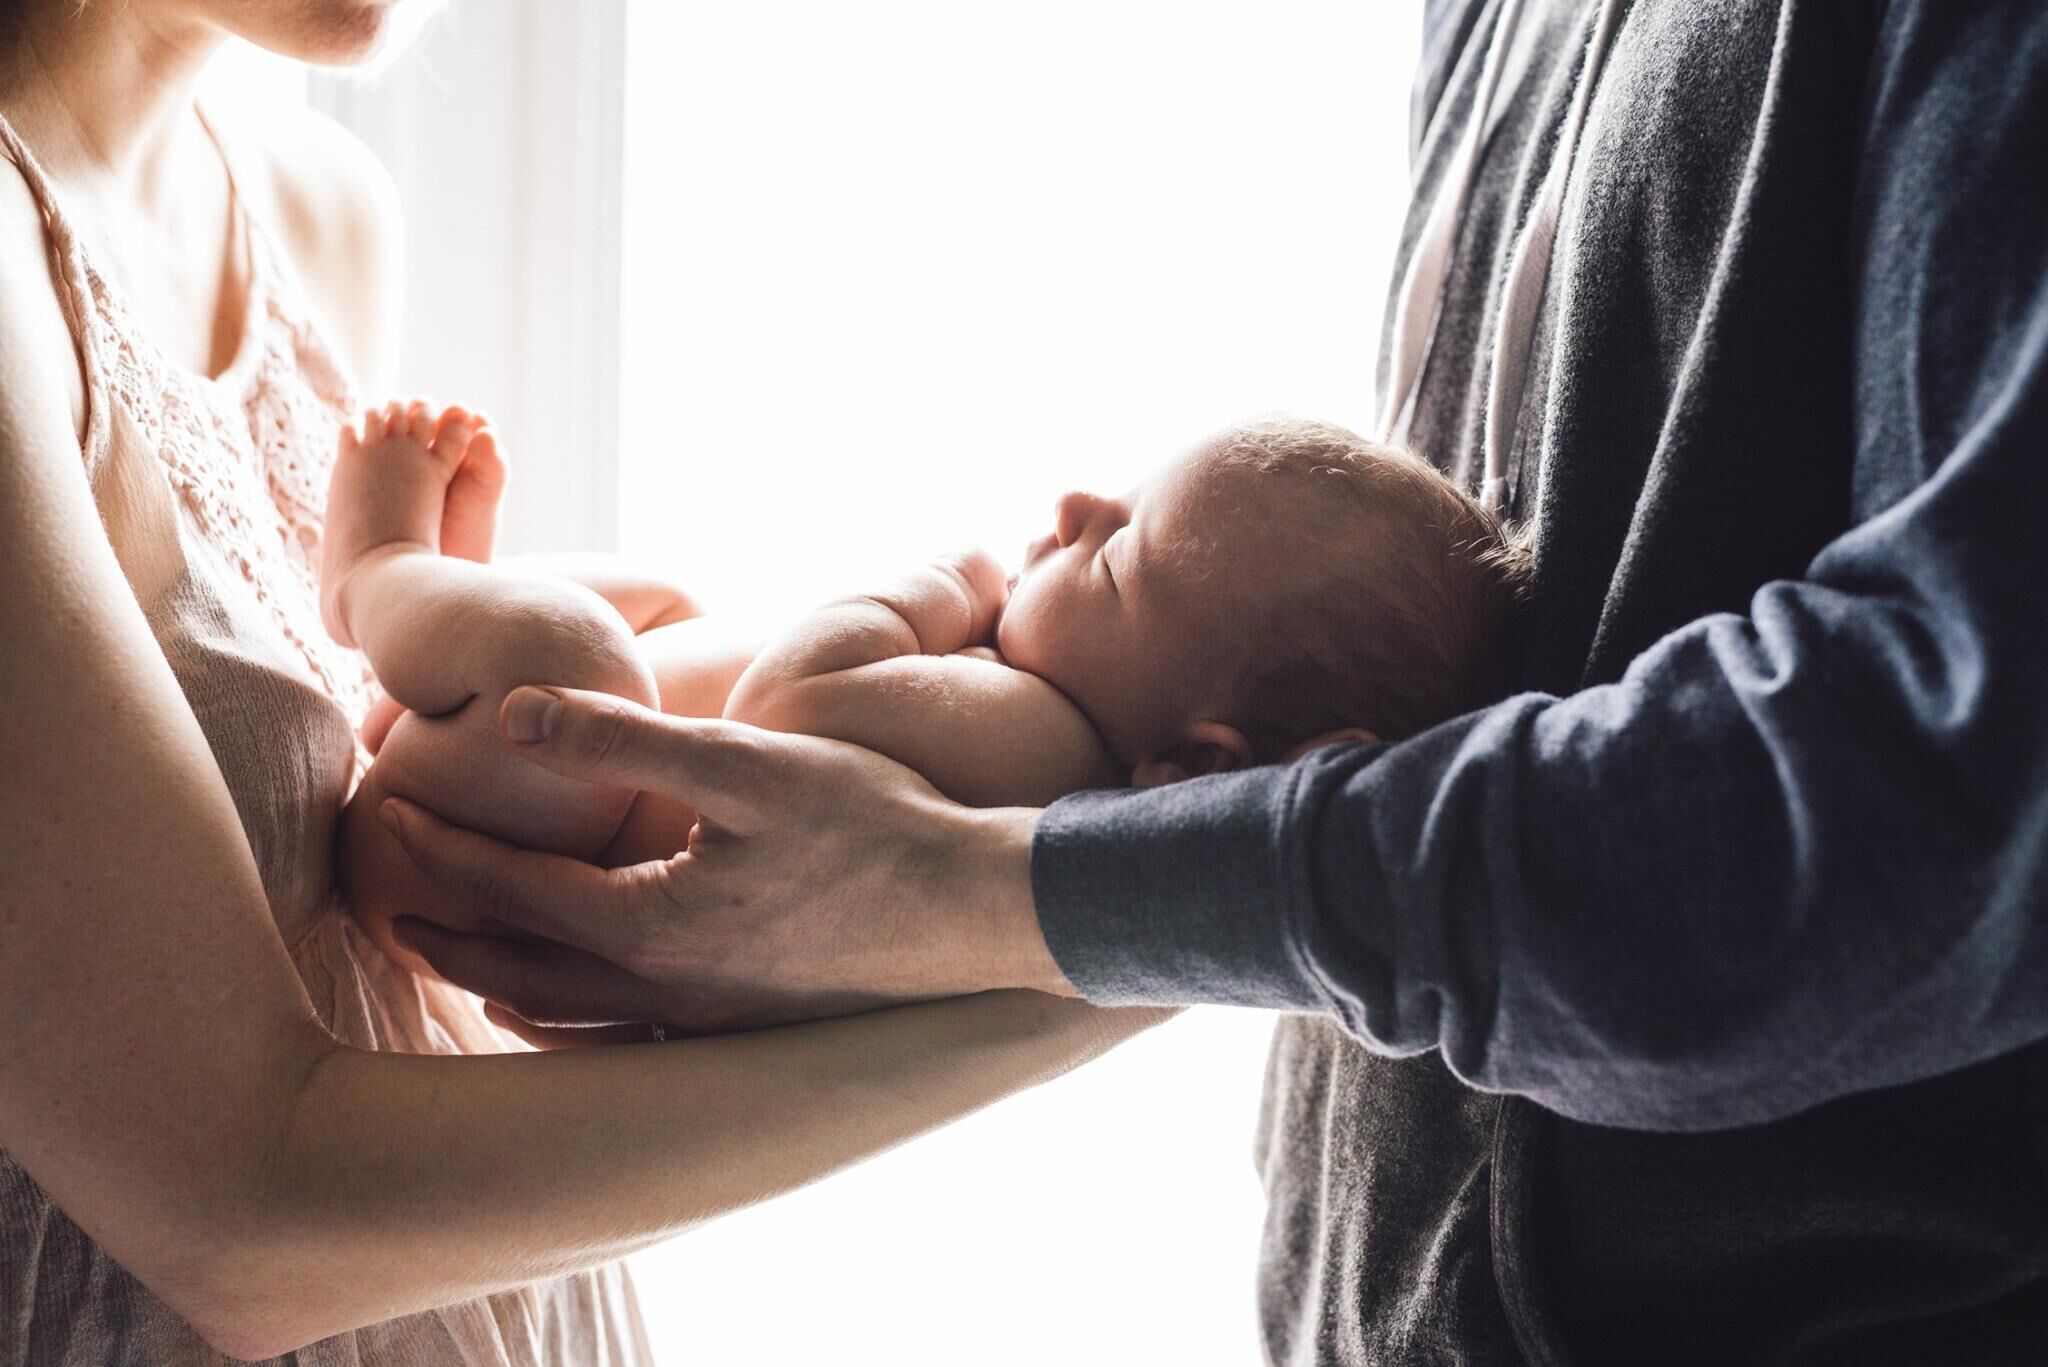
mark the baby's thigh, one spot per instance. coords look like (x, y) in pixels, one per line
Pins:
(457, 767)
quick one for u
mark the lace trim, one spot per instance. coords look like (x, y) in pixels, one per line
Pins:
(251, 466)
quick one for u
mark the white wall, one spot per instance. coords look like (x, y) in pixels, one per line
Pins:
(904, 270)
(500, 125)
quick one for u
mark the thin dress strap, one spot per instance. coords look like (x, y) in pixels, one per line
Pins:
(256, 246)
(74, 293)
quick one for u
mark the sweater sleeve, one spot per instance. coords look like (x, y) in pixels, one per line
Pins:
(1792, 854)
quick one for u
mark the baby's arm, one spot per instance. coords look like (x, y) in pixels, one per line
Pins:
(886, 670)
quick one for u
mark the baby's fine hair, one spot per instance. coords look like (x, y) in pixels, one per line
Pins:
(1401, 606)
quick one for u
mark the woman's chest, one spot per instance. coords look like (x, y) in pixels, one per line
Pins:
(208, 498)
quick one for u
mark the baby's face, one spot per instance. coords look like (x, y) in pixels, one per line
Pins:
(1119, 606)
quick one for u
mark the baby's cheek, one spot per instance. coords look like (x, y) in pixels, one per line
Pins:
(1029, 638)
(1012, 634)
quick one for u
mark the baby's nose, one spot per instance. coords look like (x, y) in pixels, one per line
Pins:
(1072, 515)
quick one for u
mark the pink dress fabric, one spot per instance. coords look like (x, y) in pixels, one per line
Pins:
(211, 491)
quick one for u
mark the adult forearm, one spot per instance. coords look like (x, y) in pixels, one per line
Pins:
(407, 1182)
(1792, 854)
(1765, 870)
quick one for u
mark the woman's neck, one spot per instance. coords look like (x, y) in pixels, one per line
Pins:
(104, 95)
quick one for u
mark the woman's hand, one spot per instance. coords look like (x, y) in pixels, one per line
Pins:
(823, 879)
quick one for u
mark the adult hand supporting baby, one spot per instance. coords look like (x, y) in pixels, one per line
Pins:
(823, 879)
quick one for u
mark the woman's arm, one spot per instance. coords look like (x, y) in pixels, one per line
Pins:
(164, 1077)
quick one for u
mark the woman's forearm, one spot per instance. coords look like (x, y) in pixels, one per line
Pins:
(164, 1076)
(406, 1182)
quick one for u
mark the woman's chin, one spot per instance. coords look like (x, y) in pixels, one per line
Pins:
(329, 32)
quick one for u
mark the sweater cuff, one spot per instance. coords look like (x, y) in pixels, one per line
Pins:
(1175, 895)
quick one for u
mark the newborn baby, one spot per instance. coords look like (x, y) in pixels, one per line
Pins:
(1285, 585)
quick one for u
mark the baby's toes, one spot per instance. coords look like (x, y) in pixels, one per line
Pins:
(469, 518)
(419, 421)
(452, 434)
(484, 467)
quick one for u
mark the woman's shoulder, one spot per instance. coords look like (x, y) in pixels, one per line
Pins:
(33, 321)
(336, 210)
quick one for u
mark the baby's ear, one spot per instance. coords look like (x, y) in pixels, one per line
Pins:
(1338, 737)
(1209, 747)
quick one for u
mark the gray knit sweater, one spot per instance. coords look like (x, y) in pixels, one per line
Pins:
(1686, 1008)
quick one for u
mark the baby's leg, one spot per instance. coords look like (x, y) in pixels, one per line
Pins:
(448, 638)
(696, 663)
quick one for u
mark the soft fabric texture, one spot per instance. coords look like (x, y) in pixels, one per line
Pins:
(211, 492)
(1742, 904)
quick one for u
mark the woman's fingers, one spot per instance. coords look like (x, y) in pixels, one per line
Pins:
(603, 911)
(718, 767)
(543, 985)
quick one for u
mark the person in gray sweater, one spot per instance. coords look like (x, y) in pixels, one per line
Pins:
(1689, 1005)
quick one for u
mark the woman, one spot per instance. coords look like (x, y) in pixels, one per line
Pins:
(214, 1134)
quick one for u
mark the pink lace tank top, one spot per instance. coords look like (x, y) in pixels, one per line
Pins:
(211, 491)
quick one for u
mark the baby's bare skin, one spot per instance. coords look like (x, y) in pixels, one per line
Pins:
(410, 515)
(1119, 654)
(411, 512)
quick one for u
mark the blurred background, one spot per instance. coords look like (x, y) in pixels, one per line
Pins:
(779, 296)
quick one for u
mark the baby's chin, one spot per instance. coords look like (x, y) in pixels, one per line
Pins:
(1009, 638)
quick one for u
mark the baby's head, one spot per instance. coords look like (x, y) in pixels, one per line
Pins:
(1287, 582)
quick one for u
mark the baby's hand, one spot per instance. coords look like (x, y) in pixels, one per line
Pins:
(988, 588)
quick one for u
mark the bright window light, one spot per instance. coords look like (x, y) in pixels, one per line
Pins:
(897, 274)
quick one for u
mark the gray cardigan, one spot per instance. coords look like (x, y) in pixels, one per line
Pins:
(1686, 1007)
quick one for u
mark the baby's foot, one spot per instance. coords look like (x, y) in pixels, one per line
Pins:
(391, 492)
(469, 518)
